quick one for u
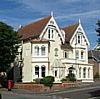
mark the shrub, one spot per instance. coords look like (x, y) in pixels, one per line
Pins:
(48, 81)
(97, 75)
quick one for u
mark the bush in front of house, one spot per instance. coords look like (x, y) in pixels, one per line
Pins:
(97, 75)
(48, 81)
(70, 77)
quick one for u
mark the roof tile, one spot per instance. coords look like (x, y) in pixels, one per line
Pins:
(34, 29)
(69, 31)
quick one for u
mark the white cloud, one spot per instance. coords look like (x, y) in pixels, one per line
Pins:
(84, 14)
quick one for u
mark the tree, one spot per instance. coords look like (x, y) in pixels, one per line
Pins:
(98, 31)
(9, 44)
(98, 34)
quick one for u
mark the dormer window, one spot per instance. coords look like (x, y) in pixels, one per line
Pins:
(51, 22)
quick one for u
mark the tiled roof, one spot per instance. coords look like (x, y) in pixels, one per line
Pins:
(94, 54)
(69, 31)
(34, 29)
(66, 46)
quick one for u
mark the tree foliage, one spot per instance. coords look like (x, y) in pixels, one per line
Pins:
(98, 31)
(9, 43)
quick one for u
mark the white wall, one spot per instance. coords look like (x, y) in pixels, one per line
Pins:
(27, 68)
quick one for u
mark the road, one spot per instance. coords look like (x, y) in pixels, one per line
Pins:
(81, 93)
(89, 92)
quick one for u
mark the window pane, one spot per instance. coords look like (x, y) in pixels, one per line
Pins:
(37, 51)
(81, 55)
(49, 33)
(56, 51)
(79, 72)
(77, 54)
(84, 72)
(55, 73)
(65, 54)
(37, 71)
(43, 50)
(88, 72)
(43, 71)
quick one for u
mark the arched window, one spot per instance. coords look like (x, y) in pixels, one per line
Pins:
(37, 50)
(88, 72)
(84, 72)
(37, 70)
(43, 71)
(56, 51)
(80, 72)
(43, 50)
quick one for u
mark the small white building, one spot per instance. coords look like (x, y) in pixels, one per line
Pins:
(48, 49)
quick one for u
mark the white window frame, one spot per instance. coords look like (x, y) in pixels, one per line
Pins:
(79, 38)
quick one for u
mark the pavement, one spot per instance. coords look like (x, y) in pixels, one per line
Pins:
(57, 94)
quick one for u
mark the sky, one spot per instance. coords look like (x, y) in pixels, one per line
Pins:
(66, 12)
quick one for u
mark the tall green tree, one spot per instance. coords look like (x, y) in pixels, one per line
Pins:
(98, 31)
(9, 44)
(98, 34)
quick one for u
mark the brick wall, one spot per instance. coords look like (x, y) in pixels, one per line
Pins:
(40, 87)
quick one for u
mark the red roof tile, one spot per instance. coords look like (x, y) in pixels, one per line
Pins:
(66, 46)
(69, 31)
(34, 29)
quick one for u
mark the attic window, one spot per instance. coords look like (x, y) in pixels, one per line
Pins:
(79, 29)
(51, 22)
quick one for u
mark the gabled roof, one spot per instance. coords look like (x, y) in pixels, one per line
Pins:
(69, 31)
(94, 54)
(34, 29)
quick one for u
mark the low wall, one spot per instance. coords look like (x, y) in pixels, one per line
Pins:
(40, 87)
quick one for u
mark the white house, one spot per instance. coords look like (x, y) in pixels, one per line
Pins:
(48, 49)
